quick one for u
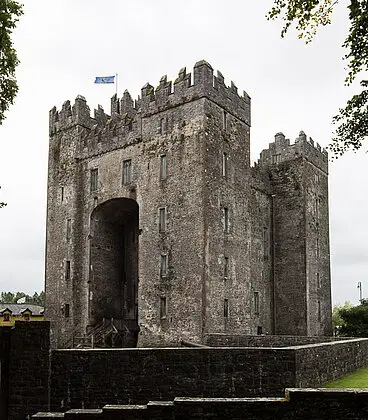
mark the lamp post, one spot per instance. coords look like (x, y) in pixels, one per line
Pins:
(360, 291)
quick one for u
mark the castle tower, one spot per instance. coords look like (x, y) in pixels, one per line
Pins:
(157, 229)
(298, 176)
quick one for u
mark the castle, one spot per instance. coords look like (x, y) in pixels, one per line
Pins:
(159, 230)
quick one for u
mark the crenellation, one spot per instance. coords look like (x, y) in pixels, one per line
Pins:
(281, 151)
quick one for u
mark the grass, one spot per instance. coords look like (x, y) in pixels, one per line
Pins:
(358, 379)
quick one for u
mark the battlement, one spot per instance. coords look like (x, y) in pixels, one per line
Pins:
(125, 111)
(281, 150)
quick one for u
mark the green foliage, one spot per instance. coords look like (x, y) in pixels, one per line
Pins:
(337, 321)
(307, 15)
(35, 299)
(10, 10)
(355, 320)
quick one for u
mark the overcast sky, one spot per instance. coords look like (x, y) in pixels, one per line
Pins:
(64, 44)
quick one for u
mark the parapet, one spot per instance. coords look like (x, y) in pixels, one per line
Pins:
(186, 88)
(281, 151)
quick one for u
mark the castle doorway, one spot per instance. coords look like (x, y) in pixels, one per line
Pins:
(113, 274)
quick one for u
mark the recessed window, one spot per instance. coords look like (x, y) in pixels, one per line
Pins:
(6, 317)
(94, 180)
(226, 308)
(127, 171)
(226, 268)
(319, 310)
(164, 265)
(225, 165)
(26, 317)
(266, 242)
(162, 126)
(226, 220)
(67, 270)
(224, 120)
(68, 229)
(256, 303)
(318, 280)
(62, 193)
(163, 167)
(67, 310)
(163, 307)
(276, 158)
(317, 247)
(162, 215)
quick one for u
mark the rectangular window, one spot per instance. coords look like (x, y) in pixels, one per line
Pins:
(224, 121)
(163, 307)
(94, 180)
(317, 247)
(319, 310)
(226, 308)
(67, 270)
(226, 220)
(162, 126)
(127, 171)
(224, 165)
(163, 167)
(226, 268)
(6, 317)
(318, 280)
(68, 229)
(164, 265)
(67, 310)
(276, 158)
(256, 303)
(62, 194)
(266, 242)
(162, 219)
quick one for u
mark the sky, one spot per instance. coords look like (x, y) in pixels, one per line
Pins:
(64, 44)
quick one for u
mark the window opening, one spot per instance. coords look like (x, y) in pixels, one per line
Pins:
(163, 307)
(226, 308)
(162, 219)
(256, 303)
(164, 265)
(68, 229)
(67, 270)
(94, 180)
(163, 167)
(127, 171)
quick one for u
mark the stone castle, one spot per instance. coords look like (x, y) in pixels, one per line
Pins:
(159, 230)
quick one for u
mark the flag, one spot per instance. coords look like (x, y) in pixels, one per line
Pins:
(107, 79)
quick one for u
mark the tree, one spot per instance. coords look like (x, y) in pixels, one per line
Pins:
(308, 15)
(337, 321)
(36, 299)
(355, 320)
(10, 10)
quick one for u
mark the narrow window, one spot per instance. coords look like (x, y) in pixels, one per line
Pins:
(68, 230)
(226, 268)
(226, 308)
(317, 247)
(259, 330)
(127, 171)
(224, 165)
(130, 125)
(163, 307)
(6, 317)
(164, 265)
(162, 126)
(256, 303)
(226, 220)
(162, 219)
(224, 121)
(62, 194)
(26, 317)
(266, 242)
(319, 310)
(94, 180)
(67, 270)
(318, 281)
(67, 310)
(163, 167)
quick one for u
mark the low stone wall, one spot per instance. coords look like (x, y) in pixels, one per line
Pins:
(305, 404)
(319, 364)
(233, 340)
(95, 377)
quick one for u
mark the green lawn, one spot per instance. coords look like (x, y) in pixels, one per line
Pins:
(358, 379)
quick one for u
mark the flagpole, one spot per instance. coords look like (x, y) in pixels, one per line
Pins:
(116, 75)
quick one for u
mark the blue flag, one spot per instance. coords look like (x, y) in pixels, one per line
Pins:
(107, 79)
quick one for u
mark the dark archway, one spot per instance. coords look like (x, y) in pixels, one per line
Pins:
(113, 279)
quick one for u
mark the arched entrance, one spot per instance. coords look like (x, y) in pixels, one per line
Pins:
(113, 276)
